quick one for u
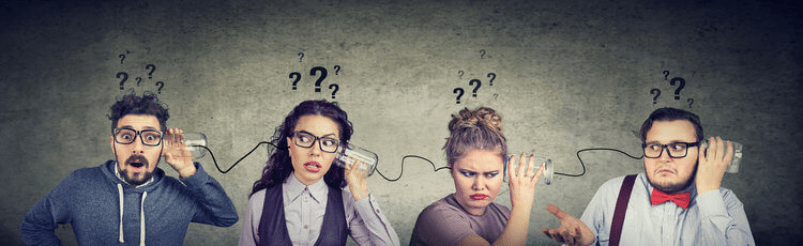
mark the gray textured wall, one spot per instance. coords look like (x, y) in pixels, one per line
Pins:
(570, 74)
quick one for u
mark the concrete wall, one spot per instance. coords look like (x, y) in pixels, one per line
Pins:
(569, 75)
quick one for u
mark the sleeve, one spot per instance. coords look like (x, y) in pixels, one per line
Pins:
(39, 224)
(599, 208)
(367, 224)
(442, 226)
(250, 234)
(723, 220)
(215, 207)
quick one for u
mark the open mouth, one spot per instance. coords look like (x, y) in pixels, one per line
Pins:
(478, 197)
(137, 161)
(312, 166)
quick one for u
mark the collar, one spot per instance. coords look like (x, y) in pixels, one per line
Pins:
(117, 173)
(293, 188)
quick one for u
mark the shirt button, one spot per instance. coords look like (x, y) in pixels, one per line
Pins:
(305, 227)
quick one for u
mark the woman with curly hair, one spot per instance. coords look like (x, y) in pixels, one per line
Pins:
(299, 200)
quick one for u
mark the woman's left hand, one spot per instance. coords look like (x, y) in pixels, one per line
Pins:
(356, 177)
(522, 180)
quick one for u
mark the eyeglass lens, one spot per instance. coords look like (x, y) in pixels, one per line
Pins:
(306, 140)
(675, 150)
(148, 137)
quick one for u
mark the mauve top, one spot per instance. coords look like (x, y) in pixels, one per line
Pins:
(445, 222)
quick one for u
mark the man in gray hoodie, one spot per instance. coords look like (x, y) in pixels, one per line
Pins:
(129, 200)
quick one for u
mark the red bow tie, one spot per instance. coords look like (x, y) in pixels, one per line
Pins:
(681, 199)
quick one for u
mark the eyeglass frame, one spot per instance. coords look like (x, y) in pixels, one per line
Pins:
(318, 139)
(115, 131)
(668, 152)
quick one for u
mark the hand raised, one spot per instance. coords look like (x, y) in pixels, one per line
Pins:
(712, 162)
(522, 181)
(356, 178)
(176, 153)
(572, 231)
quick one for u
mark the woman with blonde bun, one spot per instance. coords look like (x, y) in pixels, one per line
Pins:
(476, 152)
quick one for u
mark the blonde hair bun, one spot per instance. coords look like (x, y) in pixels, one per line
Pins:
(481, 117)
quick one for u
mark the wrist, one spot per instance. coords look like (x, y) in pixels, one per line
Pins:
(359, 195)
(706, 188)
(187, 171)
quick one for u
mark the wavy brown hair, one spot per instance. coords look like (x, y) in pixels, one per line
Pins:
(279, 165)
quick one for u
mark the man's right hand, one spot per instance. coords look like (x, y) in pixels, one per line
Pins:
(572, 231)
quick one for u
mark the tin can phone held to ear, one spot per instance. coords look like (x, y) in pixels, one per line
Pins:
(549, 169)
(195, 142)
(736, 161)
(351, 154)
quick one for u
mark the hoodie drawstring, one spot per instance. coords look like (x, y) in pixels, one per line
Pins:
(142, 220)
(141, 216)
(120, 191)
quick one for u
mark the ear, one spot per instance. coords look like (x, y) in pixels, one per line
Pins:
(111, 143)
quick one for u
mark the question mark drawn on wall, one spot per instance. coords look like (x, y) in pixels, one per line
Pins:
(691, 101)
(122, 58)
(301, 54)
(313, 72)
(337, 87)
(460, 73)
(496, 96)
(493, 77)
(152, 68)
(161, 85)
(666, 74)
(459, 92)
(138, 80)
(337, 69)
(482, 56)
(479, 84)
(682, 84)
(657, 93)
(298, 78)
(125, 77)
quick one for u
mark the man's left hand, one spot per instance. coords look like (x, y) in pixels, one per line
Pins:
(712, 162)
(176, 153)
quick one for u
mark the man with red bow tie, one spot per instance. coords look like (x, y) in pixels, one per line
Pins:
(676, 201)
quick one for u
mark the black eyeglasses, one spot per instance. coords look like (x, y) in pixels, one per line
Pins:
(675, 150)
(305, 139)
(128, 136)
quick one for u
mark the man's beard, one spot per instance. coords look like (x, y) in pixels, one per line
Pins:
(139, 161)
(673, 188)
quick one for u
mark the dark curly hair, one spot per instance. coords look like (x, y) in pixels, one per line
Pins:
(279, 165)
(147, 104)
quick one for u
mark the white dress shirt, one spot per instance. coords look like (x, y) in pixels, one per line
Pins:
(713, 218)
(304, 208)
